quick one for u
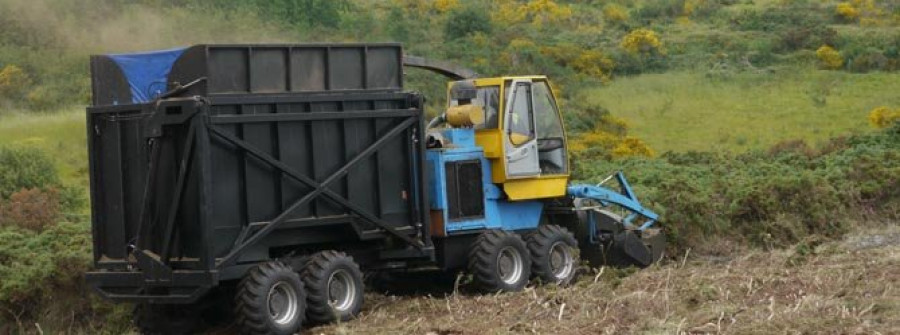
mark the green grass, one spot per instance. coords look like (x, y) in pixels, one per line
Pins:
(681, 111)
(61, 135)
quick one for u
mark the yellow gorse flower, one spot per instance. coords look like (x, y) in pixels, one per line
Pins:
(829, 58)
(641, 41)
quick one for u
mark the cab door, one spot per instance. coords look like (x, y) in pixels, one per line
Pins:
(521, 154)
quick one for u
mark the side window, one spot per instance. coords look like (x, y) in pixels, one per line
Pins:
(520, 122)
(551, 140)
(548, 123)
(489, 99)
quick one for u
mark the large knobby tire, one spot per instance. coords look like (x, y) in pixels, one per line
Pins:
(271, 299)
(554, 255)
(335, 286)
(499, 261)
(153, 319)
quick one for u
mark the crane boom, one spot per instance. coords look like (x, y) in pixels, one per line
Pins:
(452, 71)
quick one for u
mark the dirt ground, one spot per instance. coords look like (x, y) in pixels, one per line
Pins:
(846, 287)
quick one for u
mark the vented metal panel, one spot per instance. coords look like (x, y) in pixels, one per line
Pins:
(465, 194)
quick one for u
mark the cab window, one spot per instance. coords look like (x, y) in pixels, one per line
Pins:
(521, 125)
(489, 99)
(548, 122)
(551, 139)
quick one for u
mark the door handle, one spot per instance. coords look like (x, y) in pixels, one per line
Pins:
(518, 154)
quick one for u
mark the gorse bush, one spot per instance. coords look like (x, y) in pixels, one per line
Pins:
(631, 147)
(847, 12)
(445, 5)
(771, 197)
(641, 50)
(883, 117)
(31, 193)
(44, 270)
(594, 134)
(14, 82)
(32, 209)
(22, 168)
(865, 12)
(674, 10)
(642, 41)
(42, 256)
(829, 58)
(615, 14)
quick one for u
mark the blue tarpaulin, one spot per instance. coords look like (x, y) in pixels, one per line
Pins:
(146, 72)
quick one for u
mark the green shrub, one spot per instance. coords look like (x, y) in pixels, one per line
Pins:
(793, 39)
(38, 267)
(306, 13)
(868, 60)
(773, 197)
(628, 63)
(467, 20)
(659, 10)
(14, 82)
(22, 168)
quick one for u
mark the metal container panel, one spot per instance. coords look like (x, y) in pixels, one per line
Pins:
(248, 68)
(240, 69)
(315, 135)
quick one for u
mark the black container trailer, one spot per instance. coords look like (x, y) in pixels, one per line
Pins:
(231, 155)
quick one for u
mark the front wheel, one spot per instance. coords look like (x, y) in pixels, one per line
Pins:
(499, 261)
(271, 299)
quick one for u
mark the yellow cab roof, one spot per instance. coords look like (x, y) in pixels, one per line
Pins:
(500, 80)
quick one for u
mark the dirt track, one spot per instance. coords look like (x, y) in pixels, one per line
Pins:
(845, 287)
(839, 287)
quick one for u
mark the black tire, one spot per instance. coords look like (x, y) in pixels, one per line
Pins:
(492, 248)
(335, 286)
(256, 293)
(554, 255)
(153, 319)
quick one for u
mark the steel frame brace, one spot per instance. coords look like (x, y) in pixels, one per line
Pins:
(249, 238)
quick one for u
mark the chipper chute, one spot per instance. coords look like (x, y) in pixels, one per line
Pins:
(608, 238)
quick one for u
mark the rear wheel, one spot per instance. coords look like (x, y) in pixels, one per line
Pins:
(499, 261)
(271, 300)
(554, 254)
(335, 286)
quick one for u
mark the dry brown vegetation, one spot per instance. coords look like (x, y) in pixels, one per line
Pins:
(847, 287)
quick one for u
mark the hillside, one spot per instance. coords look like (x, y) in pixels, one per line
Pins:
(686, 111)
(763, 131)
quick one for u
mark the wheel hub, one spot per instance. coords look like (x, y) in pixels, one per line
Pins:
(562, 263)
(282, 303)
(509, 265)
(341, 290)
